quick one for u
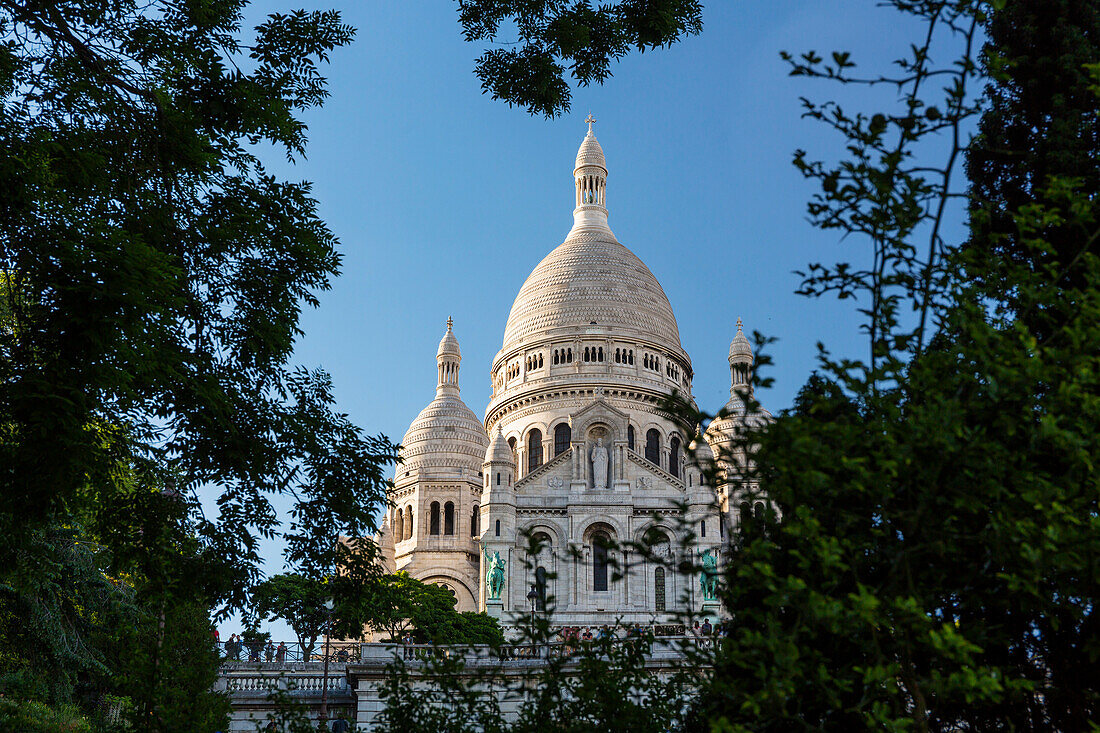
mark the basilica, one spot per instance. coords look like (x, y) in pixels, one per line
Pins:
(574, 450)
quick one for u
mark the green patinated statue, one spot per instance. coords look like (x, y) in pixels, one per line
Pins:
(494, 574)
(709, 577)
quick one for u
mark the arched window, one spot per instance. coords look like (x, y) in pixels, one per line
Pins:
(630, 437)
(600, 541)
(586, 353)
(498, 528)
(449, 518)
(498, 478)
(674, 456)
(408, 522)
(512, 445)
(475, 520)
(653, 446)
(758, 510)
(540, 588)
(703, 528)
(562, 435)
(433, 519)
(534, 450)
(659, 590)
(399, 526)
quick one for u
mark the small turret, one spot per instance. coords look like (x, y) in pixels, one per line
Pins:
(741, 360)
(448, 357)
(590, 182)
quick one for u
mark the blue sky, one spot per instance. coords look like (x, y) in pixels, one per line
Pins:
(444, 200)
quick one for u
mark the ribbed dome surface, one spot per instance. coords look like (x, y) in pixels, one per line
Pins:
(499, 451)
(591, 277)
(444, 436)
(590, 153)
(740, 346)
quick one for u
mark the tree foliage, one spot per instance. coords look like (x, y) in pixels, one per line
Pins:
(935, 566)
(152, 275)
(398, 602)
(298, 600)
(554, 37)
(156, 272)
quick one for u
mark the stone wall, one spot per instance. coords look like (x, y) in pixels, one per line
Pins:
(353, 688)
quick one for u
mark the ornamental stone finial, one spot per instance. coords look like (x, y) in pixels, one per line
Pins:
(589, 119)
(451, 323)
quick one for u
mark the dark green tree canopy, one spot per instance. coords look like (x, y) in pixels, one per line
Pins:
(556, 36)
(395, 603)
(156, 272)
(298, 600)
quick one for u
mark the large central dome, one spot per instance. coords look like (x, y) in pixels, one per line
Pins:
(591, 278)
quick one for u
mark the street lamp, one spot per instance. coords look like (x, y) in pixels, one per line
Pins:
(323, 723)
(533, 596)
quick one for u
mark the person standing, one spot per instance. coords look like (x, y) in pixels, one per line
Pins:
(280, 653)
(269, 651)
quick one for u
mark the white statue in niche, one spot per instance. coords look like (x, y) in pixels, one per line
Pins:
(599, 465)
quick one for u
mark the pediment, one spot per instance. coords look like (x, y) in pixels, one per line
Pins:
(554, 474)
(646, 475)
(600, 411)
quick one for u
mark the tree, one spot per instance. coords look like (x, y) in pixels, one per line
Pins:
(298, 600)
(1040, 123)
(156, 273)
(935, 565)
(554, 36)
(153, 274)
(396, 602)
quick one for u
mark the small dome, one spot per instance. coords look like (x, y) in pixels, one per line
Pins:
(445, 438)
(590, 153)
(448, 345)
(740, 346)
(701, 450)
(499, 450)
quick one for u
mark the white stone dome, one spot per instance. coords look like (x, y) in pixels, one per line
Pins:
(448, 345)
(499, 451)
(590, 153)
(445, 436)
(740, 348)
(591, 278)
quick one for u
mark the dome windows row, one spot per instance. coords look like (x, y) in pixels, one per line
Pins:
(589, 354)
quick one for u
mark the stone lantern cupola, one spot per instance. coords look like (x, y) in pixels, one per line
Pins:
(590, 182)
(448, 357)
(741, 360)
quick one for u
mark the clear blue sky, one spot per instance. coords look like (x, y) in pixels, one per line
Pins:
(444, 200)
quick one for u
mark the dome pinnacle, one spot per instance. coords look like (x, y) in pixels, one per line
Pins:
(590, 183)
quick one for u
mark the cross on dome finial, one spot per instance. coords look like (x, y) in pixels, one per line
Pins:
(739, 323)
(589, 119)
(451, 322)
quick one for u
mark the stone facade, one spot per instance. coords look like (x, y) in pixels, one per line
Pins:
(582, 451)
